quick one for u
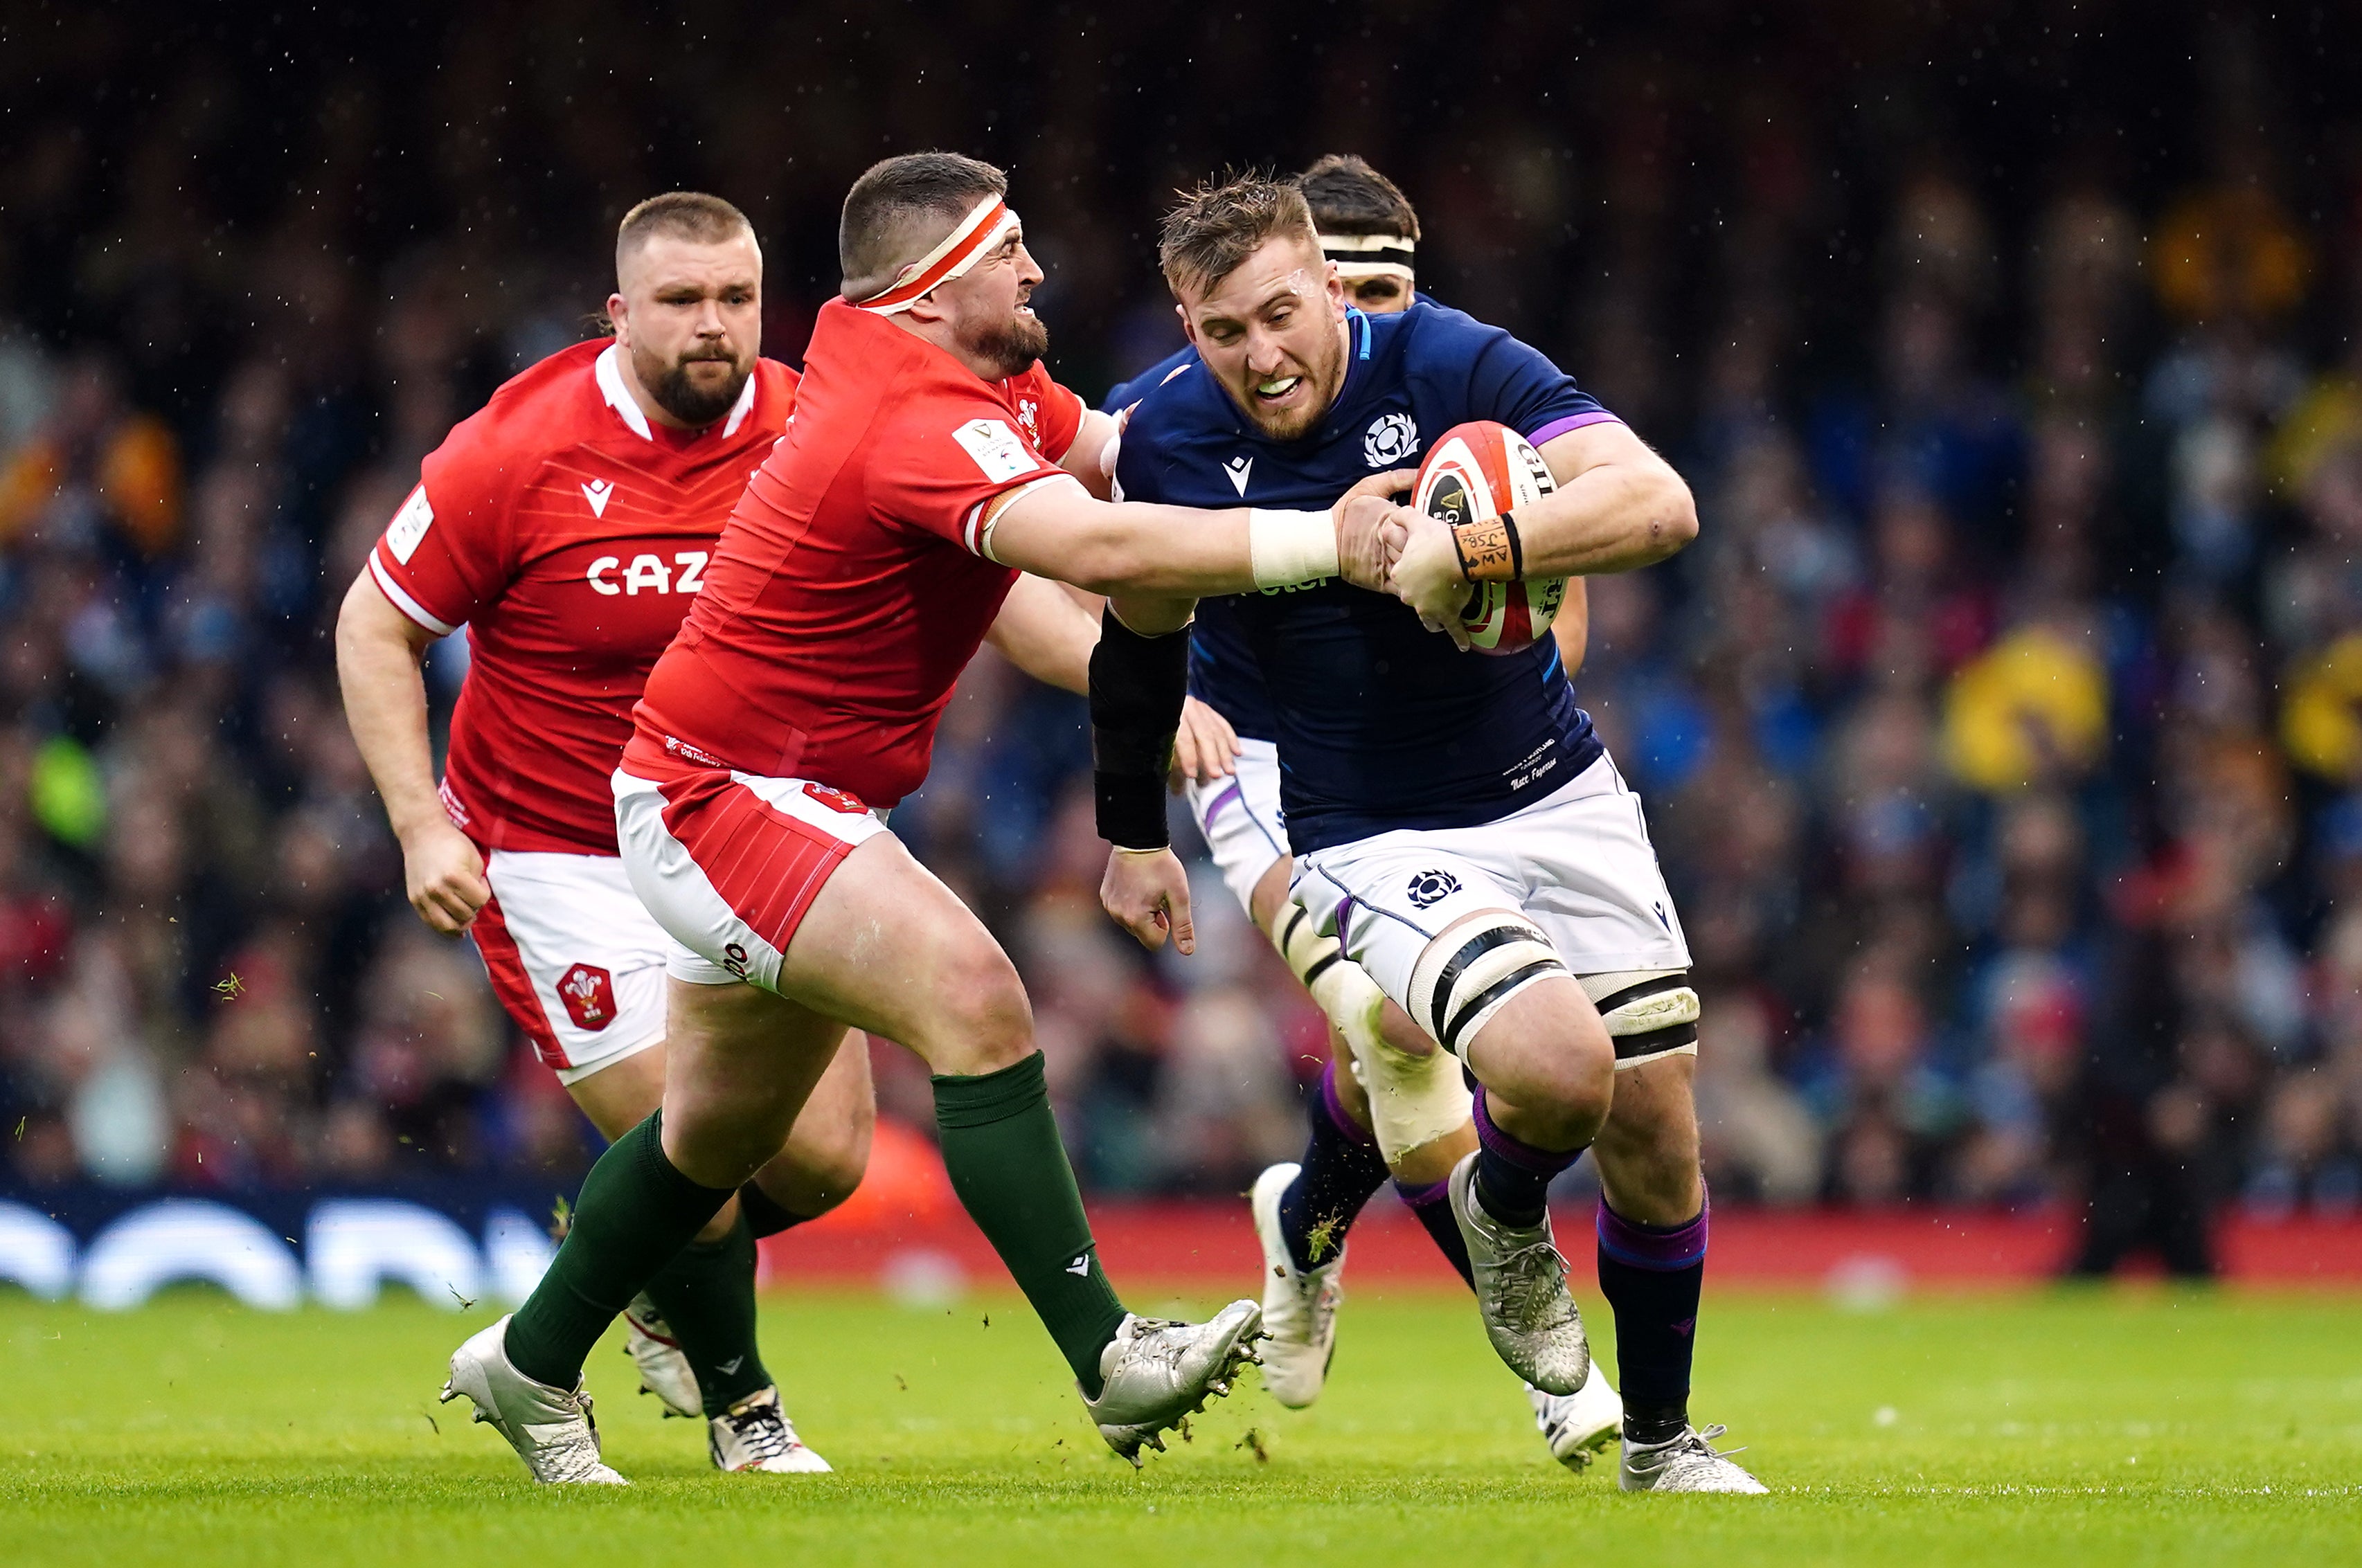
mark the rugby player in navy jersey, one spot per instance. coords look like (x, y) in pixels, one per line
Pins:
(1399, 1106)
(1454, 822)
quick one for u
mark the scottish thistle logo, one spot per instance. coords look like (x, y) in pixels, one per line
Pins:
(1391, 438)
(1428, 889)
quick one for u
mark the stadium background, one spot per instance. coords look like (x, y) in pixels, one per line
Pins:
(1999, 731)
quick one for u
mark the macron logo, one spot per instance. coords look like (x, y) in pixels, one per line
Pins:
(1238, 468)
(1080, 1266)
(596, 492)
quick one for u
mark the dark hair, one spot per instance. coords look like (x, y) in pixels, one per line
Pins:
(1216, 227)
(899, 208)
(692, 214)
(1348, 196)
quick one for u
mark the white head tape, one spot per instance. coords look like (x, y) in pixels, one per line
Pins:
(976, 237)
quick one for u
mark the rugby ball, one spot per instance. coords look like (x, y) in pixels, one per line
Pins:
(1478, 470)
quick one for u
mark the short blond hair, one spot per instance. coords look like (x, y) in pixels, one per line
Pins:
(1216, 227)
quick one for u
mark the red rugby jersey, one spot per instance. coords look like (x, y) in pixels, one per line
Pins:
(570, 534)
(847, 594)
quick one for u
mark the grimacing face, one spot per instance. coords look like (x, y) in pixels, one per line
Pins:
(1273, 332)
(990, 309)
(690, 313)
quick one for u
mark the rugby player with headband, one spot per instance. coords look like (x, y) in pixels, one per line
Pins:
(931, 461)
(1455, 822)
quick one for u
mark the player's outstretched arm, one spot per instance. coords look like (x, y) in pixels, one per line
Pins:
(378, 653)
(1142, 551)
(1618, 506)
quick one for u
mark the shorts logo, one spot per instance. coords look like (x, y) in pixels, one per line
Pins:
(589, 992)
(1391, 438)
(734, 959)
(1428, 889)
(837, 799)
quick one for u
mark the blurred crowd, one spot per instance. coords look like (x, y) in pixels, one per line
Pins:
(2000, 733)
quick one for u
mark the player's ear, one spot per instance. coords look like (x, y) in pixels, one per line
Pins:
(619, 316)
(1188, 327)
(1338, 299)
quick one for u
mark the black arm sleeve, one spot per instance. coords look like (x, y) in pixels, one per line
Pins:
(1137, 685)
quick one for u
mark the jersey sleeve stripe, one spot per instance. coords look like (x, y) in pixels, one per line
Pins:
(976, 531)
(1559, 427)
(403, 602)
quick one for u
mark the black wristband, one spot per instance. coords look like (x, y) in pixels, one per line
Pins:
(1137, 686)
(1517, 549)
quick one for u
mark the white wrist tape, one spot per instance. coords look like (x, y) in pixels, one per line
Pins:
(1284, 548)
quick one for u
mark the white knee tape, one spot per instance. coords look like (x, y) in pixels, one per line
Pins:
(1413, 1099)
(1464, 977)
(1648, 1012)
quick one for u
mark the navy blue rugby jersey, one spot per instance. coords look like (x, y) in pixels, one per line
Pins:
(1381, 723)
(1223, 673)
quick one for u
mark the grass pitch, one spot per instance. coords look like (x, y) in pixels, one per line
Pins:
(2078, 1427)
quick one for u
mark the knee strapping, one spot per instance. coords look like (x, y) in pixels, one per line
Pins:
(1413, 1099)
(1462, 980)
(1648, 1012)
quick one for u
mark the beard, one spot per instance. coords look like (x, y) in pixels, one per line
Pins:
(694, 404)
(1011, 346)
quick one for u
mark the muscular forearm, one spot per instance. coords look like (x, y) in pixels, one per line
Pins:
(1139, 551)
(385, 705)
(1612, 518)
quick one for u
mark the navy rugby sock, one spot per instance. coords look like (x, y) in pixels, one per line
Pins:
(1513, 1176)
(1341, 1168)
(1651, 1276)
(1433, 1204)
(636, 1213)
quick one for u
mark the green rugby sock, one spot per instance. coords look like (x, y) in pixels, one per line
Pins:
(1001, 1145)
(707, 1297)
(636, 1212)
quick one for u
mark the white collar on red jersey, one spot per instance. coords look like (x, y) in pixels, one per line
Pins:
(608, 369)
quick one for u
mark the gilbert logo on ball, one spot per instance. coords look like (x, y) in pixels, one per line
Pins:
(1477, 471)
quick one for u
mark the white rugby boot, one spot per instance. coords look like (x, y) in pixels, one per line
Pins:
(1155, 1373)
(756, 1435)
(1521, 1292)
(550, 1427)
(1299, 1306)
(1577, 1426)
(1685, 1463)
(664, 1370)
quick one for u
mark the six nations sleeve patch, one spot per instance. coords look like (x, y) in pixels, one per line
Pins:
(408, 526)
(996, 449)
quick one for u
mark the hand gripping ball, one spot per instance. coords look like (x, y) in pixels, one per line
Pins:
(1480, 470)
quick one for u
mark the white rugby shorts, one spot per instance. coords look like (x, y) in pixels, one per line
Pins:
(1577, 863)
(573, 958)
(1238, 818)
(729, 862)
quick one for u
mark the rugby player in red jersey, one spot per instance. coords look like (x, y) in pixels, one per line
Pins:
(931, 460)
(569, 524)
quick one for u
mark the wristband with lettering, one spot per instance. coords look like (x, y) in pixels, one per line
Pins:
(1489, 550)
